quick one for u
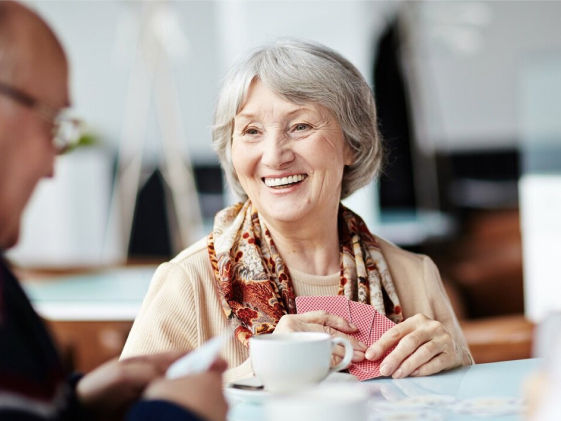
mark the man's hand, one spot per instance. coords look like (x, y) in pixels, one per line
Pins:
(321, 321)
(200, 393)
(423, 347)
(112, 387)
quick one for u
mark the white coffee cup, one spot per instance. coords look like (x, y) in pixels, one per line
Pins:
(289, 361)
(327, 402)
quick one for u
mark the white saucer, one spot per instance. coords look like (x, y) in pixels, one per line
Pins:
(235, 392)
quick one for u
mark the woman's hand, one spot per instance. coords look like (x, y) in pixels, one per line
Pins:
(321, 321)
(423, 347)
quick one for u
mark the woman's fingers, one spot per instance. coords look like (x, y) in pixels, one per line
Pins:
(336, 326)
(404, 348)
(418, 358)
(397, 333)
(324, 318)
(418, 341)
(437, 364)
(423, 339)
(390, 338)
(339, 351)
(320, 321)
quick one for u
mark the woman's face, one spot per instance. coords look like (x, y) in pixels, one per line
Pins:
(289, 158)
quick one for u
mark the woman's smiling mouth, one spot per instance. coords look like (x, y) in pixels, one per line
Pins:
(282, 182)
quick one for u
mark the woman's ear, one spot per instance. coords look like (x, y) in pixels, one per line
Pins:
(348, 157)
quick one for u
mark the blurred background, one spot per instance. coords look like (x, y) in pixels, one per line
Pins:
(468, 102)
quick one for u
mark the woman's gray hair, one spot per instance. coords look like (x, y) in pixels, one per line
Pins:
(305, 72)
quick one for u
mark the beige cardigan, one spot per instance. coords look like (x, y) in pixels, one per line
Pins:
(182, 310)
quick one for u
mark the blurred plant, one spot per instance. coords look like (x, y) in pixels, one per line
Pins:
(86, 139)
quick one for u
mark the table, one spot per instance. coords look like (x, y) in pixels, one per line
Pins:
(447, 396)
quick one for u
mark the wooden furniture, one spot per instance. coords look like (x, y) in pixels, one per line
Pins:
(84, 345)
(89, 314)
(499, 338)
(482, 273)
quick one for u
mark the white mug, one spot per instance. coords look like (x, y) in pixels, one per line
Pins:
(289, 361)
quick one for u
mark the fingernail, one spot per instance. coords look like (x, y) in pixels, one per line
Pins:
(357, 356)
(353, 326)
(371, 354)
(384, 370)
(362, 346)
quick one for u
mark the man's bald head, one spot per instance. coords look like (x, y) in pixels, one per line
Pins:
(33, 63)
(22, 34)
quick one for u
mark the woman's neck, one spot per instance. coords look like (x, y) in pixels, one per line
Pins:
(310, 248)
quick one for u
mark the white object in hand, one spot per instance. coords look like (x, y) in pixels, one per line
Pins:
(198, 360)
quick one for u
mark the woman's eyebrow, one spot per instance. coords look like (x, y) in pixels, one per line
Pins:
(251, 115)
(247, 116)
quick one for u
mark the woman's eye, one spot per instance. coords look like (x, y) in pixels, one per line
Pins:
(250, 131)
(301, 126)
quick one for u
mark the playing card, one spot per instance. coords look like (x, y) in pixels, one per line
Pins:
(338, 305)
(380, 325)
(371, 326)
(198, 360)
(362, 316)
(367, 369)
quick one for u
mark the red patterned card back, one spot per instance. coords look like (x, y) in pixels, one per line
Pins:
(371, 326)
(338, 305)
(362, 316)
(367, 369)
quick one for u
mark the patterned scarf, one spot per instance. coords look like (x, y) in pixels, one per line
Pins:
(254, 283)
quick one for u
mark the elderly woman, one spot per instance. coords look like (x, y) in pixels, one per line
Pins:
(296, 132)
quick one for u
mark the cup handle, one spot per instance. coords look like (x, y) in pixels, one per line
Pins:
(348, 353)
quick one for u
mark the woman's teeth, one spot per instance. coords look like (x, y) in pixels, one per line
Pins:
(284, 181)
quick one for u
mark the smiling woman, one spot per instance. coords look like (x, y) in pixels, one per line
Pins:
(296, 131)
(289, 159)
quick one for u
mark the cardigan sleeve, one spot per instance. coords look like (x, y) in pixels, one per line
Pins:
(169, 315)
(442, 308)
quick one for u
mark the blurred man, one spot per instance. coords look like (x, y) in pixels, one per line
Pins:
(33, 386)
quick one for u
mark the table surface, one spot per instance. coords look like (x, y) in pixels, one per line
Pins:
(479, 392)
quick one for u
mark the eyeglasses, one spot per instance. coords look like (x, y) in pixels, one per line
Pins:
(66, 129)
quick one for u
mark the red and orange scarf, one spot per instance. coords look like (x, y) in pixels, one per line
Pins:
(255, 285)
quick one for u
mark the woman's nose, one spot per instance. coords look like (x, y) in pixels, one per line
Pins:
(277, 150)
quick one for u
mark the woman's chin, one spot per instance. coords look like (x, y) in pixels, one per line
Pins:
(284, 214)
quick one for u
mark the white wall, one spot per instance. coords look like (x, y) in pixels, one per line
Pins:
(466, 55)
(100, 39)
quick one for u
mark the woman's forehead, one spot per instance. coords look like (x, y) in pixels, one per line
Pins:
(260, 99)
